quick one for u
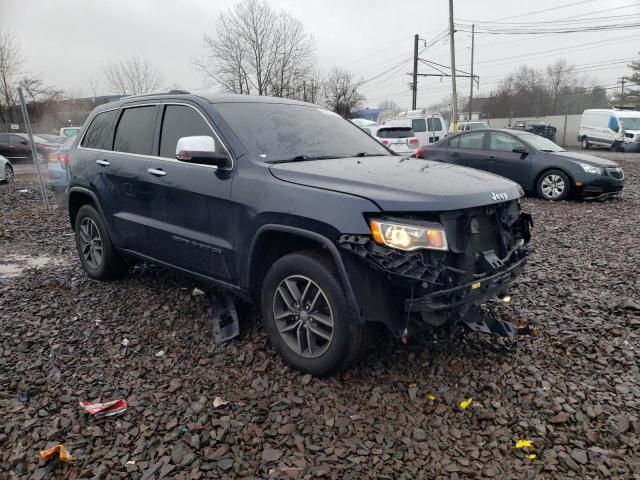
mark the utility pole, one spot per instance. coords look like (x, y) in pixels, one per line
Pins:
(304, 90)
(473, 32)
(621, 82)
(453, 65)
(414, 85)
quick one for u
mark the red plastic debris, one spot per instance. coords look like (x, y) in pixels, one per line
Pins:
(107, 409)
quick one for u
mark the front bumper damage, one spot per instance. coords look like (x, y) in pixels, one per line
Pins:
(488, 250)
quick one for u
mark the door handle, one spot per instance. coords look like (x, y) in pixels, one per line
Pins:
(103, 163)
(455, 154)
(491, 157)
(158, 172)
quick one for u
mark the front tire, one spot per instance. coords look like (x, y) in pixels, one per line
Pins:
(97, 254)
(307, 317)
(553, 185)
(585, 143)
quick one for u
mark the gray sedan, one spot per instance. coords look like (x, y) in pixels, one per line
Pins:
(6, 170)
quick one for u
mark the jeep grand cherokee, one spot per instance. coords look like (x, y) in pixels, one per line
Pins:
(287, 204)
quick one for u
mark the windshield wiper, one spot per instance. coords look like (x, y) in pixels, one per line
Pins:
(367, 154)
(304, 158)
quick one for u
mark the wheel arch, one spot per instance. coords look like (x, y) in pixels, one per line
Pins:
(273, 241)
(78, 197)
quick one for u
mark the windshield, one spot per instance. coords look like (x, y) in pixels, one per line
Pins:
(279, 132)
(541, 143)
(630, 123)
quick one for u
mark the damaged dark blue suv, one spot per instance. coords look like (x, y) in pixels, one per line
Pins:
(287, 204)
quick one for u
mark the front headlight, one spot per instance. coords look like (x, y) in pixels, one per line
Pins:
(408, 237)
(590, 168)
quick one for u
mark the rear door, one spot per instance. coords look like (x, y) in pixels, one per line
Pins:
(19, 147)
(119, 166)
(468, 150)
(191, 212)
(502, 160)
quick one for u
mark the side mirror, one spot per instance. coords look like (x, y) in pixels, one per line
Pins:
(201, 149)
(521, 150)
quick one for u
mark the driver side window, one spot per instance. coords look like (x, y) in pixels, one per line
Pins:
(501, 142)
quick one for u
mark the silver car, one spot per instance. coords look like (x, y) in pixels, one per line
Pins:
(6, 170)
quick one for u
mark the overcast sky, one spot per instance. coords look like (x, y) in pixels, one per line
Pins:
(68, 42)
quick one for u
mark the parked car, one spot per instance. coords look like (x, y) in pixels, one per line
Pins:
(466, 126)
(15, 146)
(536, 163)
(363, 122)
(617, 129)
(428, 127)
(57, 139)
(289, 205)
(538, 127)
(400, 140)
(57, 163)
(6, 170)
(69, 131)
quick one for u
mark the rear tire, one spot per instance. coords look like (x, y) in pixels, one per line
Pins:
(9, 175)
(97, 254)
(307, 316)
(554, 185)
(585, 143)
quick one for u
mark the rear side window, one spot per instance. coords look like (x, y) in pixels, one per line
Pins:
(434, 124)
(454, 142)
(181, 121)
(395, 132)
(4, 138)
(471, 140)
(99, 132)
(134, 133)
(418, 125)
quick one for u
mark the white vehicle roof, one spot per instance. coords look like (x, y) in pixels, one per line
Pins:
(617, 111)
(363, 122)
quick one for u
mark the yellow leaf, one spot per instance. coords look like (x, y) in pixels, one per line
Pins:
(523, 444)
(465, 403)
(532, 456)
(431, 397)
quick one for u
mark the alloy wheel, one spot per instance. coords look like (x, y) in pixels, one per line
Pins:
(90, 242)
(303, 316)
(552, 186)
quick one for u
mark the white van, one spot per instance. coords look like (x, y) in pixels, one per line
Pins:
(617, 129)
(428, 127)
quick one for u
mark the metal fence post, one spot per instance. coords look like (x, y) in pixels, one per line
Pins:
(564, 132)
(34, 151)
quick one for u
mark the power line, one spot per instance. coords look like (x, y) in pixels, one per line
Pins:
(538, 11)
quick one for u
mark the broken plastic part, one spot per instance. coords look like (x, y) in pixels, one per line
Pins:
(63, 454)
(106, 409)
(225, 317)
(478, 321)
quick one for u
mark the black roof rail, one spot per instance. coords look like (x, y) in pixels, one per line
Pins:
(624, 107)
(170, 92)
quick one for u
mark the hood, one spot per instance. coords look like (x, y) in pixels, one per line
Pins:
(400, 184)
(584, 158)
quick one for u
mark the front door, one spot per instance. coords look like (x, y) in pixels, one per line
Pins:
(504, 161)
(191, 213)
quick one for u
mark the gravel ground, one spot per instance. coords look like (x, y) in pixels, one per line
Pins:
(571, 388)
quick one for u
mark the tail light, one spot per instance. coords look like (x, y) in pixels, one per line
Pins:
(420, 153)
(63, 158)
(385, 142)
(413, 141)
(52, 157)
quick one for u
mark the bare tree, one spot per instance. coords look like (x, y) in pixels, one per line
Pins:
(132, 76)
(11, 63)
(257, 50)
(341, 92)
